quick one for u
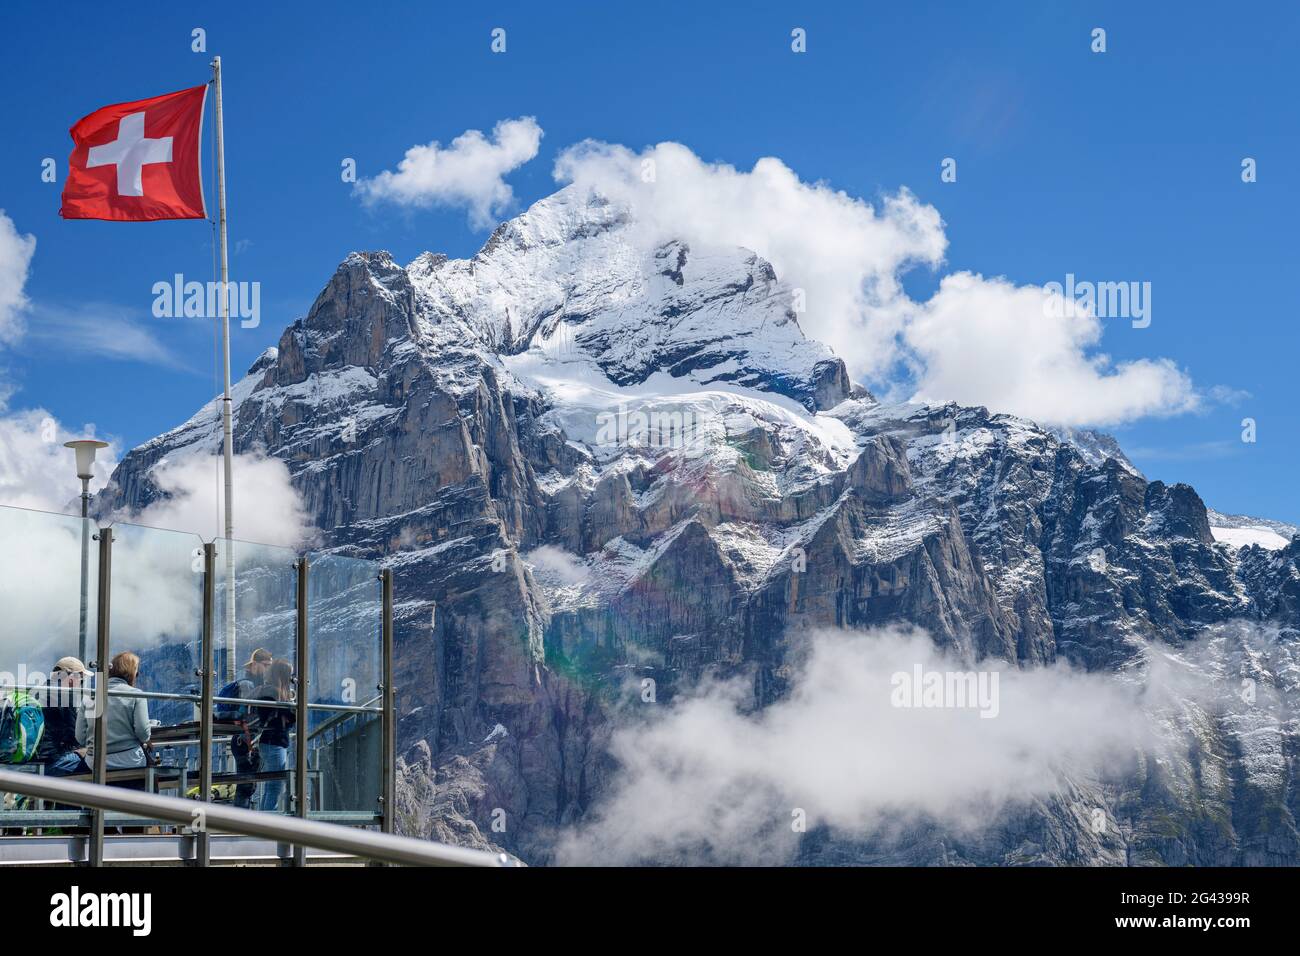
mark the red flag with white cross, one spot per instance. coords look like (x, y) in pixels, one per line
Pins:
(139, 161)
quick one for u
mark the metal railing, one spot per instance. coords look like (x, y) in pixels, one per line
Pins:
(200, 817)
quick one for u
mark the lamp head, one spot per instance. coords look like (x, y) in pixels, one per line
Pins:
(85, 449)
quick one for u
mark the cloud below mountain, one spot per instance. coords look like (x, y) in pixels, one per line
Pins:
(269, 509)
(705, 778)
(708, 779)
(557, 565)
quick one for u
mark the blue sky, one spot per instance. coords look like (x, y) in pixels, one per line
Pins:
(1122, 165)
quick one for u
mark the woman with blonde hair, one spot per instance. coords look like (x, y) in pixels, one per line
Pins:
(128, 718)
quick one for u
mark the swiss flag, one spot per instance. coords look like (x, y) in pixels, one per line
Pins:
(138, 161)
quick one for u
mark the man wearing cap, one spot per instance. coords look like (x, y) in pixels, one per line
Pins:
(242, 744)
(59, 750)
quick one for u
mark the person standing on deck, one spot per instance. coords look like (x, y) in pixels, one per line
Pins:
(243, 746)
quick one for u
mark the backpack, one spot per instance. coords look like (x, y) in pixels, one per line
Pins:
(22, 724)
(232, 712)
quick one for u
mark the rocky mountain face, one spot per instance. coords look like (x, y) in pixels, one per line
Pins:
(598, 466)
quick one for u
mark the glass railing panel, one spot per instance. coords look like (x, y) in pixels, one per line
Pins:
(345, 764)
(49, 572)
(254, 640)
(344, 614)
(264, 603)
(157, 615)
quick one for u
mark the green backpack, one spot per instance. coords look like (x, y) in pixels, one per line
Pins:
(22, 724)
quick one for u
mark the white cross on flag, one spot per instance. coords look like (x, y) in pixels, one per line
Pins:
(138, 161)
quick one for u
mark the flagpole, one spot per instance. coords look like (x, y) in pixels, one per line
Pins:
(226, 427)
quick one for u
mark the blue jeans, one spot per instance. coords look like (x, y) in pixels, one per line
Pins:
(65, 764)
(273, 758)
(244, 763)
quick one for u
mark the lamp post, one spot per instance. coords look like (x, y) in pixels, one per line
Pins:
(85, 449)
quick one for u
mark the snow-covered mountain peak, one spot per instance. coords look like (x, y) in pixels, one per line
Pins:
(564, 216)
(572, 279)
(1095, 446)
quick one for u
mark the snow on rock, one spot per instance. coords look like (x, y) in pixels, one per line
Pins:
(568, 281)
(1241, 531)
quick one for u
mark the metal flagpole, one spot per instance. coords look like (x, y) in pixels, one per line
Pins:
(226, 428)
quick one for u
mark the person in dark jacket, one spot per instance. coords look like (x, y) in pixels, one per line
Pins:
(273, 744)
(242, 745)
(59, 749)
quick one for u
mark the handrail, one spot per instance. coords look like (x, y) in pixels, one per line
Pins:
(74, 692)
(331, 722)
(384, 847)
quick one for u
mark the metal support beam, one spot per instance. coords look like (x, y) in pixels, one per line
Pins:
(389, 719)
(203, 846)
(100, 769)
(303, 666)
(272, 826)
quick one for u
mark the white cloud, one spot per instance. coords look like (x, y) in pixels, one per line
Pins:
(981, 341)
(977, 341)
(466, 173)
(156, 595)
(36, 471)
(159, 590)
(42, 614)
(16, 252)
(555, 565)
(43, 551)
(846, 254)
(103, 330)
(705, 778)
(268, 509)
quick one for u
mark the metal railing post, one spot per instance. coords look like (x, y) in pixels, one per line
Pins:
(99, 772)
(389, 720)
(300, 752)
(203, 845)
